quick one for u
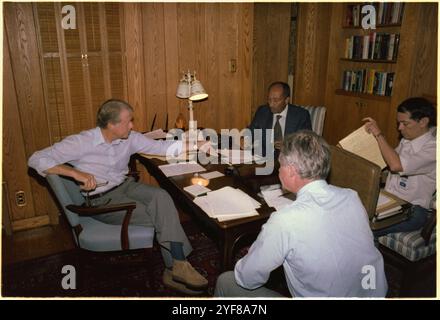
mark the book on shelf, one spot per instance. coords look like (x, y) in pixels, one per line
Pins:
(363, 144)
(387, 13)
(369, 81)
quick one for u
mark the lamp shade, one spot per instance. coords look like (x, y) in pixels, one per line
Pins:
(197, 91)
(183, 89)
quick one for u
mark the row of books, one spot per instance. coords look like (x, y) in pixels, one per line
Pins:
(368, 81)
(386, 13)
(375, 46)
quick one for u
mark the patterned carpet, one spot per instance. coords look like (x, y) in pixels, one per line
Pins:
(43, 277)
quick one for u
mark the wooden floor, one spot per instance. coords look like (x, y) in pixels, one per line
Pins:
(38, 242)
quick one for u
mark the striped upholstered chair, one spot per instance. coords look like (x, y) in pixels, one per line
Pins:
(412, 252)
(317, 116)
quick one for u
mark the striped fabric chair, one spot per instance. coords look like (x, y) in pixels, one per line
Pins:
(413, 252)
(317, 116)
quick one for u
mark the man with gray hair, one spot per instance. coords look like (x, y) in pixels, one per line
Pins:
(99, 162)
(323, 239)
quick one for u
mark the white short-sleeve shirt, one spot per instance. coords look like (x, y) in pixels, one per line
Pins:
(417, 182)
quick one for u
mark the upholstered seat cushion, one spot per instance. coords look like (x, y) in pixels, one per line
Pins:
(411, 245)
(98, 236)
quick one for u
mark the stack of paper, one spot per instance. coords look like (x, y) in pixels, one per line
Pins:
(363, 144)
(177, 169)
(388, 205)
(228, 204)
(273, 196)
(236, 156)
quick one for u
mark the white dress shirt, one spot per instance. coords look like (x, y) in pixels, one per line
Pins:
(417, 182)
(89, 152)
(324, 242)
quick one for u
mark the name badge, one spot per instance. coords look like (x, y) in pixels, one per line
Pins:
(403, 183)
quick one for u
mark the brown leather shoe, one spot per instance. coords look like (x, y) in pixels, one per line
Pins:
(170, 283)
(184, 272)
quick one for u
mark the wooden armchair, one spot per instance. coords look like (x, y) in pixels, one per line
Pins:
(93, 236)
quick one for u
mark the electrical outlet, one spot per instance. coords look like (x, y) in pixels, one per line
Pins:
(20, 198)
(232, 65)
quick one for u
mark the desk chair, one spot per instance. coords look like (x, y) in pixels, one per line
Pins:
(317, 117)
(96, 238)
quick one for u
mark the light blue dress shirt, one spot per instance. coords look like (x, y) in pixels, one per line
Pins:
(324, 242)
(89, 152)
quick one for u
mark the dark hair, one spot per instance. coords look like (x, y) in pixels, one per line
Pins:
(308, 152)
(285, 86)
(419, 108)
(109, 112)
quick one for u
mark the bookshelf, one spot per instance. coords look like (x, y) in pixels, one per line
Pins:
(372, 52)
(414, 66)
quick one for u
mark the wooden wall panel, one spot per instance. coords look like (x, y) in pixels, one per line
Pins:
(33, 124)
(179, 37)
(312, 53)
(271, 48)
(135, 66)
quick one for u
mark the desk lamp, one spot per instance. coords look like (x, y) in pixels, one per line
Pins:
(190, 88)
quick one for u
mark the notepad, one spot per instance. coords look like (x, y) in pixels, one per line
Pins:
(212, 175)
(196, 190)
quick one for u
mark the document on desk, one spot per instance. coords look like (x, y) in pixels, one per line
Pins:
(228, 204)
(156, 134)
(364, 145)
(274, 198)
(177, 169)
(237, 156)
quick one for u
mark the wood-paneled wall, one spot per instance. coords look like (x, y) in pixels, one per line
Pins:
(159, 41)
(25, 126)
(164, 39)
(271, 48)
(312, 53)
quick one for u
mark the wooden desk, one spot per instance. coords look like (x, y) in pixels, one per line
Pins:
(227, 233)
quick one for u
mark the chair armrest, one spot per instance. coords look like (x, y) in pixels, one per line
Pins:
(429, 227)
(91, 211)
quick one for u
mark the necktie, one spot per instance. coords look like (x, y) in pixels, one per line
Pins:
(277, 132)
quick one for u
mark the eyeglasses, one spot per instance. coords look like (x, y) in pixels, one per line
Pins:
(270, 99)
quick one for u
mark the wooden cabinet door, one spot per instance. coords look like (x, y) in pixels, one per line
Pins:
(83, 66)
(346, 112)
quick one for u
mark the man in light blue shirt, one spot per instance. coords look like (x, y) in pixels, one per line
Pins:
(99, 162)
(323, 240)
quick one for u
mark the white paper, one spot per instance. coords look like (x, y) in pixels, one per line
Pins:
(227, 204)
(279, 202)
(196, 190)
(237, 156)
(156, 134)
(203, 203)
(177, 169)
(211, 175)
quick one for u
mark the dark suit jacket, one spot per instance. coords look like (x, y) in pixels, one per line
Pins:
(297, 119)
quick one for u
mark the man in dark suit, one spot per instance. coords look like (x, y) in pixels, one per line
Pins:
(281, 116)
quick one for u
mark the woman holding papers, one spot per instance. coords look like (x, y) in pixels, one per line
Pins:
(323, 239)
(412, 164)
